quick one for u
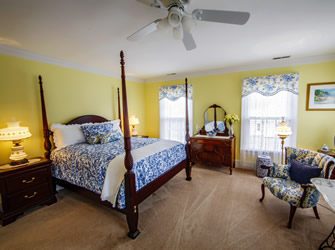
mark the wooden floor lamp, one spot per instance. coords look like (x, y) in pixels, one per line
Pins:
(283, 131)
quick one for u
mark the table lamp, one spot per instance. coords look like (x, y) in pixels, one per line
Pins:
(283, 131)
(16, 134)
(134, 121)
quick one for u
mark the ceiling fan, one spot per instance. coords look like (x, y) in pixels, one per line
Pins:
(181, 21)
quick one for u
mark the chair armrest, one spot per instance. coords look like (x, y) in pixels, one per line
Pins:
(304, 194)
(304, 186)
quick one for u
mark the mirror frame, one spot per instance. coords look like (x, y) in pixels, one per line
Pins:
(215, 107)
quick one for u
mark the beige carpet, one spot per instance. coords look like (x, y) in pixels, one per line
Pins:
(214, 211)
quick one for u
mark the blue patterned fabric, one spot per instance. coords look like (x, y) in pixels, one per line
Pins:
(280, 171)
(283, 187)
(271, 85)
(85, 165)
(100, 133)
(174, 92)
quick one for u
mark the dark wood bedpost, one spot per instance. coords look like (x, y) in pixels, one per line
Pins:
(129, 177)
(119, 107)
(46, 131)
(187, 137)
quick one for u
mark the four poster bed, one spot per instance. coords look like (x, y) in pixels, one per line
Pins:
(88, 173)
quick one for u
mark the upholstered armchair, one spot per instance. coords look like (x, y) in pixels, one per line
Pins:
(285, 187)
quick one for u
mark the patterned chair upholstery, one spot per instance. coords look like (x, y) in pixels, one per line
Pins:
(280, 184)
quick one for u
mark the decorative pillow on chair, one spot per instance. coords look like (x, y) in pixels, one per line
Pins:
(302, 173)
(100, 132)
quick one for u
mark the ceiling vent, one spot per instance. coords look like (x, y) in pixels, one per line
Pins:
(280, 57)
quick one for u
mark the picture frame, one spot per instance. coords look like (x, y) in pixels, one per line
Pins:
(320, 96)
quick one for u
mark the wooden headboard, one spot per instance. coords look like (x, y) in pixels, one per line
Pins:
(87, 119)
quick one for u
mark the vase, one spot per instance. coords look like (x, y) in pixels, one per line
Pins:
(231, 130)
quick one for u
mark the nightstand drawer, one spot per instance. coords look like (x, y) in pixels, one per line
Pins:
(27, 180)
(29, 197)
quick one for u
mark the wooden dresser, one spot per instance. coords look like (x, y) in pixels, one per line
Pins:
(213, 150)
(23, 187)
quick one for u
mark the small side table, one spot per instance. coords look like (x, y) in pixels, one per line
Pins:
(331, 152)
(327, 188)
(140, 136)
(25, 186)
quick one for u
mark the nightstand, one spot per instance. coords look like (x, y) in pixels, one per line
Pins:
(23, 187)
(140, 136)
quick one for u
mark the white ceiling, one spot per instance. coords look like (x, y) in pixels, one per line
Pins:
(91, 33)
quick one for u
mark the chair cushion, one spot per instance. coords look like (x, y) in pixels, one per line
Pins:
(291, 192)
(302, 173)
(286, 190)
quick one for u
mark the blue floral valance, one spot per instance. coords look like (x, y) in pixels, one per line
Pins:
(271, 85)
(174, 92)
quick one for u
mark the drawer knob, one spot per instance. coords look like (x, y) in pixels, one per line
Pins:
(30, 196)
(28, 181)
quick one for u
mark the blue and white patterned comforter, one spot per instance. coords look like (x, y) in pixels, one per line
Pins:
(85, 165)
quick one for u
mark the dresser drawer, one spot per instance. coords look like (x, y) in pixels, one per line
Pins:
(27, 180)
(29, 197)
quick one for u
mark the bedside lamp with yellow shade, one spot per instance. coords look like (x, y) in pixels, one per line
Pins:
(133, 120)
(283, 131)
(14, 132)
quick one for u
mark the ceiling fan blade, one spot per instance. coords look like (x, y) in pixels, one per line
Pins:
(221, 16)
(153, 3)
(188, 40)
(146, 30)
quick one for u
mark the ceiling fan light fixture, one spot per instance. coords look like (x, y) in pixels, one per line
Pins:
(175, 16)
(178, 33)
(188, 23)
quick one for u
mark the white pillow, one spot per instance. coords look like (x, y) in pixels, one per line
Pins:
(65, 135)
(116, 125)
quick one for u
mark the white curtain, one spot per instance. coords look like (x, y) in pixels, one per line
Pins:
(172, 112)
(265, 101)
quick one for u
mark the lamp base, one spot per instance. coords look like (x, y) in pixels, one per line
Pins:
(134, 131)
(19, 162)
(18, 156)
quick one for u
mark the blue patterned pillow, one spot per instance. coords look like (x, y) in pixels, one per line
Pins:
(302, 173)
(114, 135)
(94, 133)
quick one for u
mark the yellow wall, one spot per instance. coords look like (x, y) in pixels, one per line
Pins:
(314, 127)
(68, 93)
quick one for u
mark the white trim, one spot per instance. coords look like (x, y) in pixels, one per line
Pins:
(249, 67)
(7, 50)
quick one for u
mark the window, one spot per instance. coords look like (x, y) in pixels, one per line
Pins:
(172, 112)
(265, 101)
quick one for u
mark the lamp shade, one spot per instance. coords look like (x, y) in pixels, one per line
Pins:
(283, 129)
(14, 132)
(133, 120)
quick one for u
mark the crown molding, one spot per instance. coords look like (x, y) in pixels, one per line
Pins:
(248, 67)
(21, 53)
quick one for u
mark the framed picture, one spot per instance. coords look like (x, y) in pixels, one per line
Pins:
(321, 96)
